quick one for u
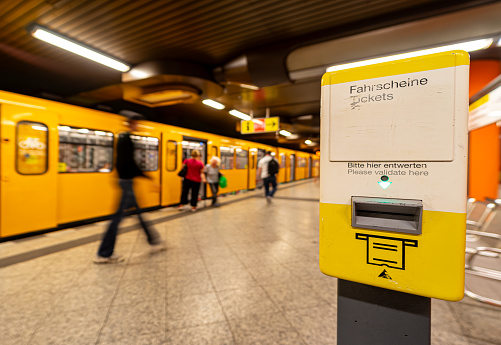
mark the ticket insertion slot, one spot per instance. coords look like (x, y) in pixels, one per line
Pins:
(396, 215)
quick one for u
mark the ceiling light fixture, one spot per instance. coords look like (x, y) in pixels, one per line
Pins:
(213, 104)
(305, 117)
(307, 142)
(468, 46)
(250, 87)
(245, 86)
(285, 133)
(70, 45)
(240, 115)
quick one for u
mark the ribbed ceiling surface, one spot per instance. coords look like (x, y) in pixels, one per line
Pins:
(205, 31)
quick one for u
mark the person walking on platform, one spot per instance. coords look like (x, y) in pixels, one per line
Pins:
(127, 170)
(267, 170)
(212, 173)
(194, 177)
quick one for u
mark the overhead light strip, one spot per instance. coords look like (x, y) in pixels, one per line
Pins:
(213, 104)
(240, 115)
(285, 133)
(77, 48)
(468, 46)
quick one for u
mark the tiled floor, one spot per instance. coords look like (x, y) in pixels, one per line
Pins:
(243, 273)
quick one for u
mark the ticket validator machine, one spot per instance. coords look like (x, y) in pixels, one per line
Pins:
(393, 193)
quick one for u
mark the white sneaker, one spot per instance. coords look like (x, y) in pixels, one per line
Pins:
(158, 247)
(114, 259)
(268, 199)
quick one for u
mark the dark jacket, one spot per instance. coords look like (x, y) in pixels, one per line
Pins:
(126, 165)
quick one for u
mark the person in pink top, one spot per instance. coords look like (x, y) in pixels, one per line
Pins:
(192, 180)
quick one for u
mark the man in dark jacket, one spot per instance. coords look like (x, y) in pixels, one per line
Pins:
(127, 169)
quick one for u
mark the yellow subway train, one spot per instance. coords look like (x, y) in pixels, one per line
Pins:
(57, 163)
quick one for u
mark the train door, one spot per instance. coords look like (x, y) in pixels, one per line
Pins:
(252, 169)
(309, 166)
(281, 172)
(28, 153)
(188, 145)
(260, 154)
(293, 167)
(171, 182)
(146, 154)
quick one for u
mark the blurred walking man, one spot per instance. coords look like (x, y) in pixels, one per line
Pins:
(127, 170)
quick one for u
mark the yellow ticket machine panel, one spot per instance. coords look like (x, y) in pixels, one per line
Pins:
(393, 187)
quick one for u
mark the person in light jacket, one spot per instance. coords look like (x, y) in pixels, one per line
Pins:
(212, 173)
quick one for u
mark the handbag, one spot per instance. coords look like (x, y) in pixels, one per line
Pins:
(183, 171)
(223, 182)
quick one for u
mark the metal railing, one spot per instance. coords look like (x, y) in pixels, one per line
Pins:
(480, 221)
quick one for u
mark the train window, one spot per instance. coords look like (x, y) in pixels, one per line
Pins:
(171, 158)
(282, 160)
(227, 161)
(32, 139)
(84, 150)
(301, 162)
(242, 159)
(145, 152)
(214, 152)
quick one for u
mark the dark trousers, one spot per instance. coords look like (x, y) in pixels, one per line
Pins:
(266, 182)
(127, 200)
(187, 186)
(214, 187)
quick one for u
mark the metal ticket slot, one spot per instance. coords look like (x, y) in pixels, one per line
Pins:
(396, 215)
(393, 193)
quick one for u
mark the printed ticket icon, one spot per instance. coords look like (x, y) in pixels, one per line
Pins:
(386, 251)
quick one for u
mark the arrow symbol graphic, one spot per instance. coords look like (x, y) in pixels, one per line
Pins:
(384, 185)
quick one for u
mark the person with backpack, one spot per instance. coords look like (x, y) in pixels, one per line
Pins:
(267, 170)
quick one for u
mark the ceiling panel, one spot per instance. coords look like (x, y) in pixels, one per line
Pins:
(206, 32)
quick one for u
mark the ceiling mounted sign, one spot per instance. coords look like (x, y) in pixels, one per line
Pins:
(263, 125)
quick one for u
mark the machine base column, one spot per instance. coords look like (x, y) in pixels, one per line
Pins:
(376, 316)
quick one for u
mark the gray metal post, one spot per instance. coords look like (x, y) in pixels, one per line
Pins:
(376, 316)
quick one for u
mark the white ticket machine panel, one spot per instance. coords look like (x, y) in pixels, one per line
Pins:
(394, 144)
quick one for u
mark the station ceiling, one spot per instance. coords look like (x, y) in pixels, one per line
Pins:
(211, 46)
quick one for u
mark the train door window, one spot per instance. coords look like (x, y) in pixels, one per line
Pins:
(242, 160)
(310, 164)
(32, 153)
(188, 146)
(227, 159)
(282, 161)
(145, 152)
(292, 164)
(214, 152)
(260, 154)
(84, 150)
(171, 158)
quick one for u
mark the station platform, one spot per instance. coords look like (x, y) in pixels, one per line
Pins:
(243, 273)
